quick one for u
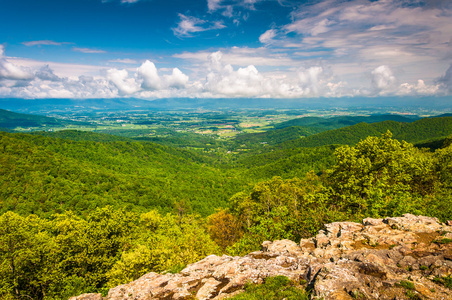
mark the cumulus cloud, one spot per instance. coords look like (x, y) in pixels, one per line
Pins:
(189, 25)
(152, 81)
(383, 79)
(242, 57)
(10, 71)
(121, 80)
(446, 80)
(420, 88)
(357, 35)
(240, 72)
(177, 79)
(310, 80)
(148, 72)
(46, 73)
(224, 80)
(245, 82)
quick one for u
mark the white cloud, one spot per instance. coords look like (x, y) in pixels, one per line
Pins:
(11, 71)
(177, 79)
(242, 57)
(122, 1)
(61, 69)
(87, 50)
(412, 37)
(310, 80)
(124, 61)
(267, 36)
(189, 25)
(43, 42)
(446, 80)
(124, 84)
(383, 79)
(151, 79)
(420, 88)
(213, 4)
(46, 73)
(237, 10)
(223, 80)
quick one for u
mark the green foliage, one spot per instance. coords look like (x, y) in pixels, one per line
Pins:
(167, 244)
(224, 228)
(42, 176)
(280, 209)
(443, 241)
(272, 137)
(276, 288)
(419, 131)
(324, 124)
(381, 176)
(376, 178)
(412, 295)
(67, 256)
(445, 280)
(406, 284)
(9, 119)
(135, 205)
(288, 163)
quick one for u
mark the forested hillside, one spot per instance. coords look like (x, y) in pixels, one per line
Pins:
(83, 212)
(43, 175)
(324, 124)
(416, 132)
(10, 119)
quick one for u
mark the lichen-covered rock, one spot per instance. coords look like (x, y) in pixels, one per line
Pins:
(391, 258)
(87, 297)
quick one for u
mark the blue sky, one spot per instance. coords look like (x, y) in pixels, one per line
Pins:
(225, 48)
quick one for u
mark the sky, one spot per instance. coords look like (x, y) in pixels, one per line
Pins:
(152, 49)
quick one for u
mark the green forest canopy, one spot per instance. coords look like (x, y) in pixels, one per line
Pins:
(81, 215)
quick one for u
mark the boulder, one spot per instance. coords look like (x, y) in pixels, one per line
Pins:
(390, 258)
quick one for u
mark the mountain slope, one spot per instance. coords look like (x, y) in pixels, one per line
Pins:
(9, 119)
(45, 175)
(416, 132)
(342, 121)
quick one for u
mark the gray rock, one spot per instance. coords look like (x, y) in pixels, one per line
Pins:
(345, 261)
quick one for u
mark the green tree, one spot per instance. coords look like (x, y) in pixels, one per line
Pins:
(380, 177)
(29, 267)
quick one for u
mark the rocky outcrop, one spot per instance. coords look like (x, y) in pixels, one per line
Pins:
(392, 258)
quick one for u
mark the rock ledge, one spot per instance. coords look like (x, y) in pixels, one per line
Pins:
(346, 260)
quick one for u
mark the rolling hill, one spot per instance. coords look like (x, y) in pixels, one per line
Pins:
(45, 175)
(416, 132)
(11, 120)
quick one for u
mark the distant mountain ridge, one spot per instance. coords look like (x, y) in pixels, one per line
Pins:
(342, 121)
(9, 119)
(111, 104)
(308, 126)
(416, 132)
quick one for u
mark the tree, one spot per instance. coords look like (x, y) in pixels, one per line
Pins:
(373, 177)
(224, 228)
